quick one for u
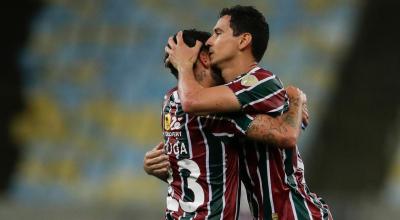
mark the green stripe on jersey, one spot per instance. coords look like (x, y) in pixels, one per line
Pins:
(300, 207)
(319, 204)
(242, 120)
(289, 168)
(245, 178)
(184, 136)
(260, 91)
(298, 200)
(216, 171)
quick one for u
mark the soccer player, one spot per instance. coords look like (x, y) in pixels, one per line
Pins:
(273, 175)
(203, 150)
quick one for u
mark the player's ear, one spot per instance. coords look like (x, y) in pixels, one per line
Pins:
(245, 40)
(204, 59)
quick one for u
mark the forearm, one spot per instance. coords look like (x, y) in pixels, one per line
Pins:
(200, 100)
(188, 88)
(282, 131)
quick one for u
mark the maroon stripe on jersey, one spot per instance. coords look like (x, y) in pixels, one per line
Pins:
(176, 185)
(252, 166)
(231, 194)
(262, 74)
(220, 125)
(280, 191)
(236, 85)
(197, 140)
(299, 174)
(269, 104)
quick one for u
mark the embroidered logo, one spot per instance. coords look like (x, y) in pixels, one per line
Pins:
(167, 122)
(249, 80)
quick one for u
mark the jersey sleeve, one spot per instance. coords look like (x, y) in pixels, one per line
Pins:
(228, 125)
(260, 92)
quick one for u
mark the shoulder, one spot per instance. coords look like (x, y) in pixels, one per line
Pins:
(261, 73)
(171, 95)
(257, 77)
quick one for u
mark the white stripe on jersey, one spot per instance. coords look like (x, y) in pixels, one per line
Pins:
(258, 83)
(223, 134)
(176, 97)
(300, 166)
(259, 178)
(188, 136)
(287, 182)
(266, 97)
(250, 72)
(250, 117)
(232, 121)
(293, 207)
(277, 109)
(269, 182)
(224, 180)
(308, 209)
(238, 194)
(207, 167)
(252, 183)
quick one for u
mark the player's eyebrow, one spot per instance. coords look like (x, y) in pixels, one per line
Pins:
(217, 29)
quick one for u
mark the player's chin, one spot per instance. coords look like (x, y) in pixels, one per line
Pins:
(213, 60)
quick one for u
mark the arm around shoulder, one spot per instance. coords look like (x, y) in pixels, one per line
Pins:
(282, 131)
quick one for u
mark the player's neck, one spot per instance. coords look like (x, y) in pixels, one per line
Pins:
(203, 77)
(237, 67)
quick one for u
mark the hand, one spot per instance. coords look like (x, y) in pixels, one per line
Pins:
(179, 54)
(156, 162)
(296, 95)
(305, 117)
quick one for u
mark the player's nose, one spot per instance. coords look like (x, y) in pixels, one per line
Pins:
(209, 41)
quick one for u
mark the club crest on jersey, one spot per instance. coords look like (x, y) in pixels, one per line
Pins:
(172, 123)
(249, 80)
(167, 122)
(275, 216)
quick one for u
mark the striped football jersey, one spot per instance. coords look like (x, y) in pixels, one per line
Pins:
(204, 175)
(273, 176)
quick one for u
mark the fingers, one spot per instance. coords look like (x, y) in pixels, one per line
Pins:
(171, 43)
(158, 166)
(179, 38)
(167, 62)
(168, 50)
(292, 91)
(304, 97)
(198, 45)
(162, 171)
(159, 146)
(155, 160)
(305, 115)
(157, 156)
(154, 153)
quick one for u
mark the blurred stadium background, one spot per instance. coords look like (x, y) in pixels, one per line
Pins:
(83, 84)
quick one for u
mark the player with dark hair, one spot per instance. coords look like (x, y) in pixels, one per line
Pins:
(203, 150)
(273, 175)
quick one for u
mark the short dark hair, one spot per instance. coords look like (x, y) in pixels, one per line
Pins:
(247, 19)
(189, 37)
